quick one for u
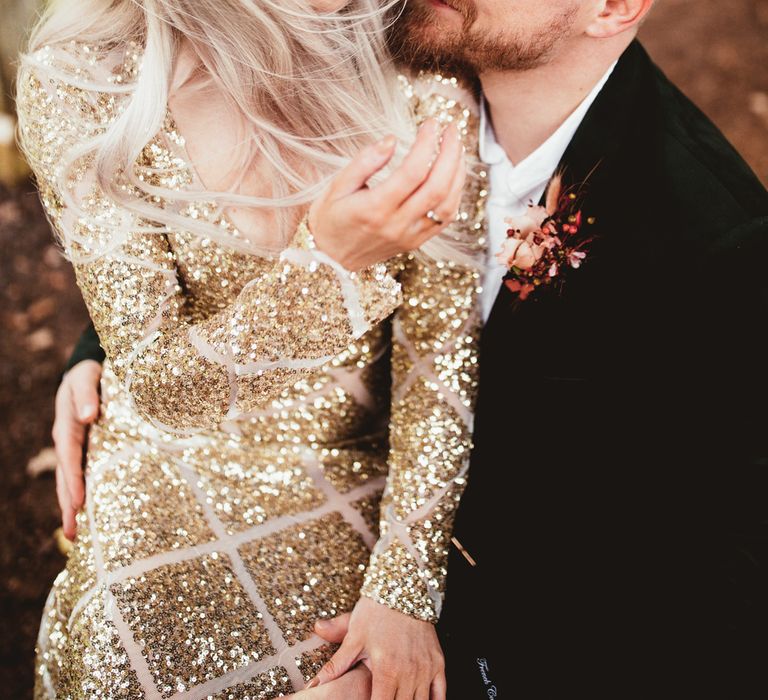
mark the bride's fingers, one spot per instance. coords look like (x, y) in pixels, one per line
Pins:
(362, 167)
(432, 195)
(453, 200)
(353, 685)
(413, 171)
(345, 657)
(439, 688)
(447, 211)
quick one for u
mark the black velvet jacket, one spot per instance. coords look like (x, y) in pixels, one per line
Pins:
(617, 506)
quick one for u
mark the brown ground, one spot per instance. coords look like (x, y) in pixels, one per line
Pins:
(717, 56)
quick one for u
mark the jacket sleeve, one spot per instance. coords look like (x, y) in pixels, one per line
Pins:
(88, 347)
(185, 374)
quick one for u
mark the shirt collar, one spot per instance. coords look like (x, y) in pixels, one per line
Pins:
(546, 157)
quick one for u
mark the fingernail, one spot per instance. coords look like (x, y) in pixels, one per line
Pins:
(386, 144)
(313, 683)
(321, 624)
(87, 411)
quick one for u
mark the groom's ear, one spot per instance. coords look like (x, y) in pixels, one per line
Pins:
(617, 16)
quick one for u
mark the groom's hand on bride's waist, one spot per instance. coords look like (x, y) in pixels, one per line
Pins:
(77, 406)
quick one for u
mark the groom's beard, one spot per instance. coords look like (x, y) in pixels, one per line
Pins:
(420, 40)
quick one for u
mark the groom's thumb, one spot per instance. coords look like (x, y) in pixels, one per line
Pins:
(363, 167)
(333, 630)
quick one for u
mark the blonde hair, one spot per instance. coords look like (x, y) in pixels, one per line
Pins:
(311, 89)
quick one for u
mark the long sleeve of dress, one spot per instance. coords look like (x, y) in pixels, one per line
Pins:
(434, 365)
(182, 372)
(435, 336)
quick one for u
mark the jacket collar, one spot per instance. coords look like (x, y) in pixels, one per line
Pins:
(614, 120)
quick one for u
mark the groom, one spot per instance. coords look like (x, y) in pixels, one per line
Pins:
(615, 526)
(615, 520)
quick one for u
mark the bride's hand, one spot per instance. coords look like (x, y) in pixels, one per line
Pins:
(403, 654)
(358, 226)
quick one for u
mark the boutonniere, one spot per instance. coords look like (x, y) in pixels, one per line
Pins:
(545, 242)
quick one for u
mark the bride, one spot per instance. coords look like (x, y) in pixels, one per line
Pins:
(284, 279)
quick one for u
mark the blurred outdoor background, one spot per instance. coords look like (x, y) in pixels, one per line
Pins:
(715, 50)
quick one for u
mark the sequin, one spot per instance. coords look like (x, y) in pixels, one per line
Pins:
(310, 662)
(308, 571)
(348, 469)
(272, 684)
(193, 621)
(125, 491)
(369, 507)
(244, 495)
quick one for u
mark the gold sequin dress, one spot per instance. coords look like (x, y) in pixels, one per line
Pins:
(253, 411)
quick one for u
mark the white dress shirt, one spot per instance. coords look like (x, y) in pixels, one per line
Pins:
(511, 188)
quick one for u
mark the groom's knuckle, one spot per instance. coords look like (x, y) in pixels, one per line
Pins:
(354, 639)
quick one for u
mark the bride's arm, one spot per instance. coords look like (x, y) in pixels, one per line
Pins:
(434, 378)
(434, 366)
(297, 315)
(435, 342)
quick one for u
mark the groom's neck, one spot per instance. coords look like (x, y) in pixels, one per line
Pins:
(527, 107)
